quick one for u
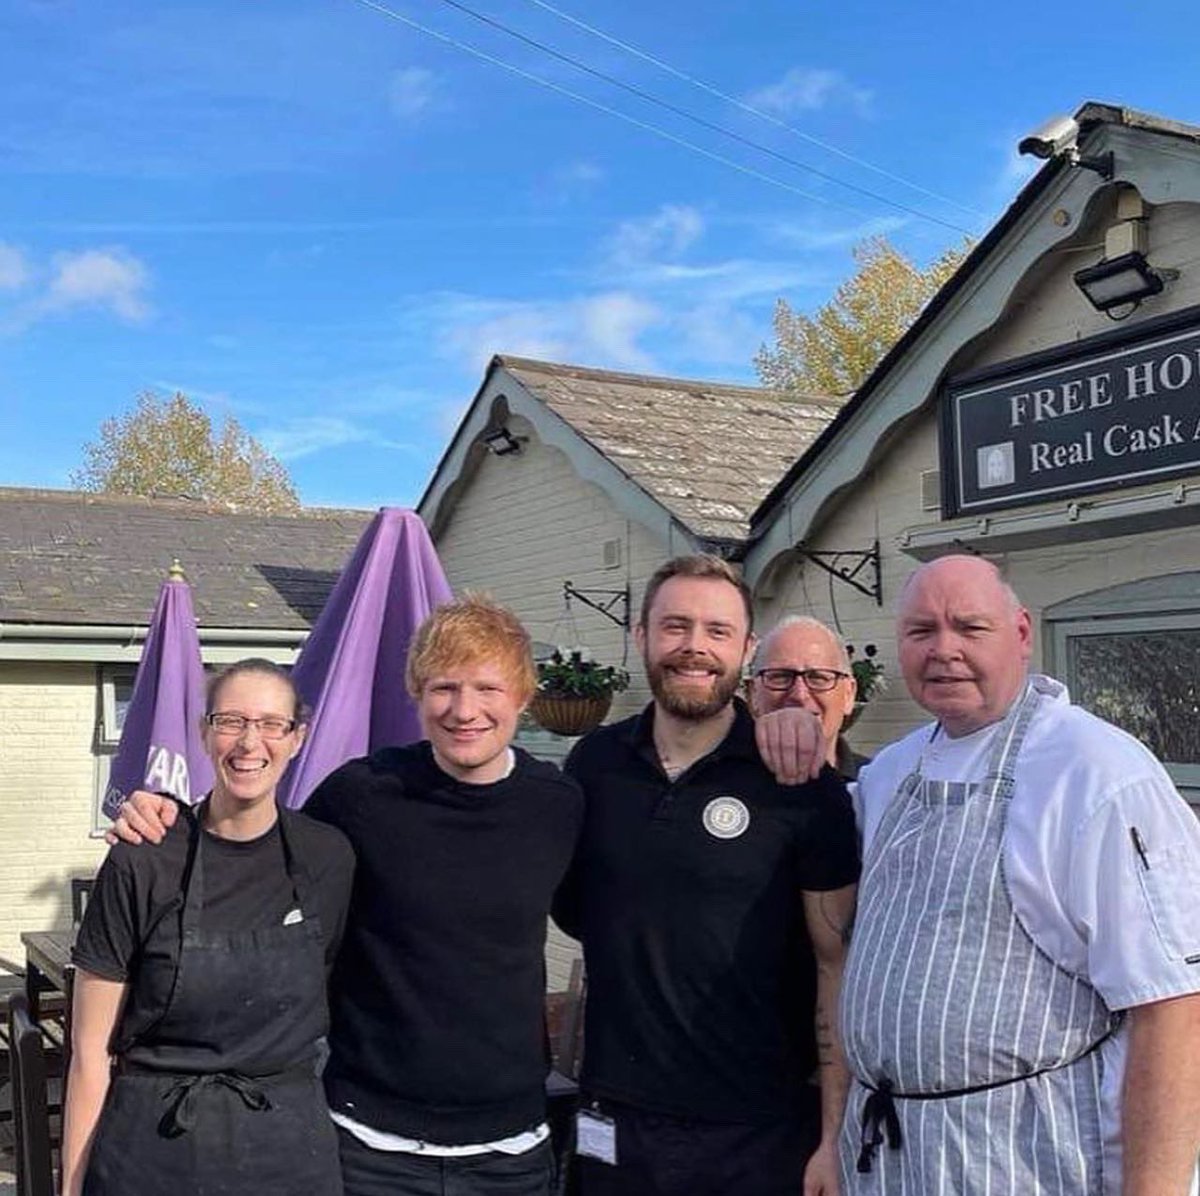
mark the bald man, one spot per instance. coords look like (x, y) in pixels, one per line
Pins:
(1021, 1004)
(802, 663)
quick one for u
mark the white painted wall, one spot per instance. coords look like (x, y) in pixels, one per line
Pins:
(47, 778)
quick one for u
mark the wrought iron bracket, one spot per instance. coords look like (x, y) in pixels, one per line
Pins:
(849, 565)
(602, 600)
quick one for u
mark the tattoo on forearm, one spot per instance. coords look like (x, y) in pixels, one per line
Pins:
(841, 923)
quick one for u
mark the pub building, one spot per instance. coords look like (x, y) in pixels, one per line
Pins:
(1043, 411)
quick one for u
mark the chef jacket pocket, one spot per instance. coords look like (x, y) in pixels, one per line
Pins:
(1168, 880)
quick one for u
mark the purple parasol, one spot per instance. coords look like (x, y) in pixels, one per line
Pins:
(161, 749)
(351, 669)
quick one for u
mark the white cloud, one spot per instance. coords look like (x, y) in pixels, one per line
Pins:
(612, 324)
(805, 89)
(568, 182)
(656, 298)
(411, 91)
(103, 278)
(601, 329)
(14, 271)
(579, 174)
(306, 435)
(672, 230)
(719, 333)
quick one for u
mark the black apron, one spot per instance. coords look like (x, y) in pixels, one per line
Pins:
(219, 1094)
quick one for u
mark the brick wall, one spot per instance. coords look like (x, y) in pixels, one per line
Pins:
(47, 774)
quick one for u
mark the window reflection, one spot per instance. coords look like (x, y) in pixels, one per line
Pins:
(1147, 683)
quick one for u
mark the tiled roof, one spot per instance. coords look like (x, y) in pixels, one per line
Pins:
(69, 557)
(707, 451)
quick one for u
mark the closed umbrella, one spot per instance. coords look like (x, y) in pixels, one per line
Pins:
(161, 749)
(350, 671)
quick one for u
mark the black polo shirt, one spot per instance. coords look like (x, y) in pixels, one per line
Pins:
(686, 895)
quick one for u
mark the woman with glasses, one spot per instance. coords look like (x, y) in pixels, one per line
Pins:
(200, 1008)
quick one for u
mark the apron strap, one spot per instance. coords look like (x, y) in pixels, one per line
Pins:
(879, 1109)
(182, 1096)
(879, 1113)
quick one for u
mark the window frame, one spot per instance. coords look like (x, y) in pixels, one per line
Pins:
(106, 737)
(1167, 603)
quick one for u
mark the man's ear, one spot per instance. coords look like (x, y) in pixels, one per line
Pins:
(751, 693)
(751, 648)
(639, 637)
(1025, 633)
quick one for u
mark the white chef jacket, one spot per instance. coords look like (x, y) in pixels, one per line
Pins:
(1102, 856)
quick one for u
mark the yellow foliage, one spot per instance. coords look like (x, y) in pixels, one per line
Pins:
(166, 448)
(833, 351)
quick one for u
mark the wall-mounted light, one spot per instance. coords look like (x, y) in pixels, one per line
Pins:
(501, 441)
(1123, 277)
(1118, 281)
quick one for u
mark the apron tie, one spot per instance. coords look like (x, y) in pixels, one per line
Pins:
(879, 1113)
(182, 1096)
(879, 1109)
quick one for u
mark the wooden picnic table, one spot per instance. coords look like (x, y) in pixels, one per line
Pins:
(48, 969)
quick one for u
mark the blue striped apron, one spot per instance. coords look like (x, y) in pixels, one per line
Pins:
(973, 1054)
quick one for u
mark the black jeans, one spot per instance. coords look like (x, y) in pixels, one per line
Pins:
(661, 1155)
(368, 1172)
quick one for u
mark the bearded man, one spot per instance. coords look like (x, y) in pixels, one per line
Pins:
(712, 904)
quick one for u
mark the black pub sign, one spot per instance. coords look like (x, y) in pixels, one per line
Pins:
(1111, 411)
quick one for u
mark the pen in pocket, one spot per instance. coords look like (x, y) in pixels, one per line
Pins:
(1139, 847)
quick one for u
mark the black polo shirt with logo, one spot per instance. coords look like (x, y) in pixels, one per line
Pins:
(686, 895)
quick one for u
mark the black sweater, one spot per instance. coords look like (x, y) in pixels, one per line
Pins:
(437, 998)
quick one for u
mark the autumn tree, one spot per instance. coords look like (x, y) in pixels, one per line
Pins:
(832, 351)
(168, 447)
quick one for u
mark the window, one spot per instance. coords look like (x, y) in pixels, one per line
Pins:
(116, 689)
(1131, 655)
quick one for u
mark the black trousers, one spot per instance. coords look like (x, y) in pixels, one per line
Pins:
(368, 1172)
(661, 1155)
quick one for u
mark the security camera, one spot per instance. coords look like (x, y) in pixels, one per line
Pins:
(1056, 136)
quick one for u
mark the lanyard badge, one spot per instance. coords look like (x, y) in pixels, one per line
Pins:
(596, 1136)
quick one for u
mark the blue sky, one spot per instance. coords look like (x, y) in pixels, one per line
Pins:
(318, 219)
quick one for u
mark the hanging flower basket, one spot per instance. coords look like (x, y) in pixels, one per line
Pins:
(574, 692)
(569, 715)
(868, 675)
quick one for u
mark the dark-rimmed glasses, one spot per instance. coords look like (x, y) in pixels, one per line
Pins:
(270, 726)
(817, 681)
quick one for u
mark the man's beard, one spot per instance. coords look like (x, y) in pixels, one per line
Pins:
(690, 702)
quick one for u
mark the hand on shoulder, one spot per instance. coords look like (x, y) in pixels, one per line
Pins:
(143, 817)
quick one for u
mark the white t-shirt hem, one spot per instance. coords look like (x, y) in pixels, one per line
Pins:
(381, 1140)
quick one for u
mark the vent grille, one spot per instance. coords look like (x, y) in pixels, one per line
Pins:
(931, 490)
(611, 554)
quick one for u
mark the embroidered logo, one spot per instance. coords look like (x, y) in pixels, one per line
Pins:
(726, 817)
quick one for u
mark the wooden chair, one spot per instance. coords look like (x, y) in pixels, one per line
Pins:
(31, 1115)
(12, 980)
(562, 1087)
(81, 891)
(569, 1055)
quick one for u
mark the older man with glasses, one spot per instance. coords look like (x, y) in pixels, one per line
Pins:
(802, 663)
